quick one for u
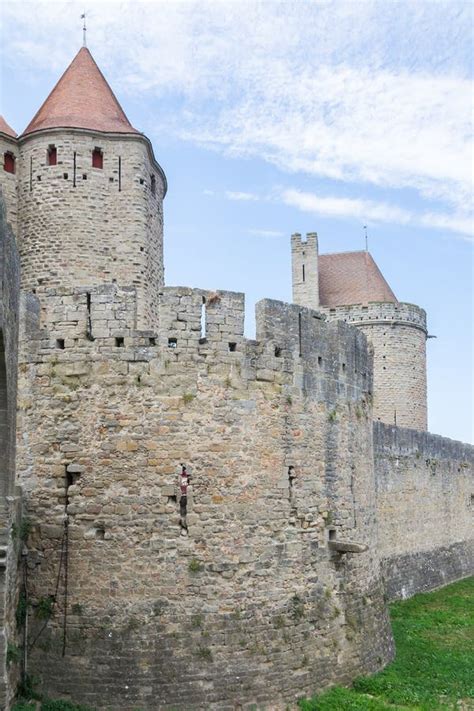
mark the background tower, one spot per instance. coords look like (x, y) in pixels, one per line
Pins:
(304, 261)
(350, 287)
(90, 194)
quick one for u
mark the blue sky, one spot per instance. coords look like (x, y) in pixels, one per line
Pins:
(275, 117)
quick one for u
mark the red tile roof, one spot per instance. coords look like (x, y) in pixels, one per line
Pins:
(351, 278)
(82, 99)
(5, 128)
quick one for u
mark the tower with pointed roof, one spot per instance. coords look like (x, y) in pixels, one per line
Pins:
(90, 193)
(350, 287)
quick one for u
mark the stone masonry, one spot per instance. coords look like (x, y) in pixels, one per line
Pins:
(263, 574)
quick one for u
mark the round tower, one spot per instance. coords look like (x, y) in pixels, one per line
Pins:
(350, 287)
(9, 171)
(90, 193)
(397, 332)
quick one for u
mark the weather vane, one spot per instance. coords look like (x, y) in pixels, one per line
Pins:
(84, 29)
(366, 239)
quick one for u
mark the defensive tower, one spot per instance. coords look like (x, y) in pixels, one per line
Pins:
(350, 287)
(91, 193)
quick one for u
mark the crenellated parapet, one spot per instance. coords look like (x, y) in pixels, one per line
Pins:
(294, 345)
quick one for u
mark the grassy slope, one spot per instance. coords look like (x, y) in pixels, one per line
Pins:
(434, 666)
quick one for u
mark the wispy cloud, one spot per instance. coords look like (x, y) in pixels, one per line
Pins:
(248, 197)
(371, 211)
(368, 93)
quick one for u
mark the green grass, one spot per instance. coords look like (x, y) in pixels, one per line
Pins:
(434, 665)
(58, 705)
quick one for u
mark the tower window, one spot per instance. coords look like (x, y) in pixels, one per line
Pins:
(9, 162)
(303, 273)
(153, 185)
(97, 158)
(52, 157)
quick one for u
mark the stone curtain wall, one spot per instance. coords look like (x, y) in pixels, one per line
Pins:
(248, 604)
(398, 335)
(425, 509)
(86, 226)
(9, 503)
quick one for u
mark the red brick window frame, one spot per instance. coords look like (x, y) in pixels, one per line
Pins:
(9, 162)
(97, 158)
(52, 156)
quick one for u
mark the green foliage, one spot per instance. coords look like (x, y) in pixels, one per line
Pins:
(27, 689)
(204, 653)
(296, 608)
(194, 566)
(22, 531)
(188, 397)
(23, 706)
(21, 610)
(435, 657)
(62, 705)
(332, 417)
(196, 621)
(13, 654)
(44, 607)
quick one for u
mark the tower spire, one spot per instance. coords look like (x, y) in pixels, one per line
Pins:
(84, 29)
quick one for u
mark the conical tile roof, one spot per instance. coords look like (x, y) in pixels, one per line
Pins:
(5, 128)
(82, 99)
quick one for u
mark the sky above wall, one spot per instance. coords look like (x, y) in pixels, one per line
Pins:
(275, 117)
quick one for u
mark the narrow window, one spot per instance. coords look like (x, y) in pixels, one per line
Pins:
(119, 342)
(332, 534)
(299, 333)
(172, 342)
(152, 341)
(202, 338)
(232, 347)
(97, 158)
(74, 170)
(277, 352)
(52, 157)
(153, 185)
(303, 273)
(8, 162)
(60, 343)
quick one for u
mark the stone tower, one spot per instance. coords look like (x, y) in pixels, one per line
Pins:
(350, 287)
(91, 193)
(304, 262)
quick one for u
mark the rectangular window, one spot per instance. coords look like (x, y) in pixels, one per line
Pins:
(97, 158)
(52, 155)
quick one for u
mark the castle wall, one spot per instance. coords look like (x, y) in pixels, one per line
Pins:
(9, 181)
(425, 509)
(398, 335)
(86, 226)
(249, 604)
(9, 500)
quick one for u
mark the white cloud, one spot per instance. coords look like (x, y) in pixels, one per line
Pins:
(371, 211)
(366, 93)
(249, 197)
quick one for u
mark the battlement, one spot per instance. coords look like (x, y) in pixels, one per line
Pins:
(379, 313)
(295, 347)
